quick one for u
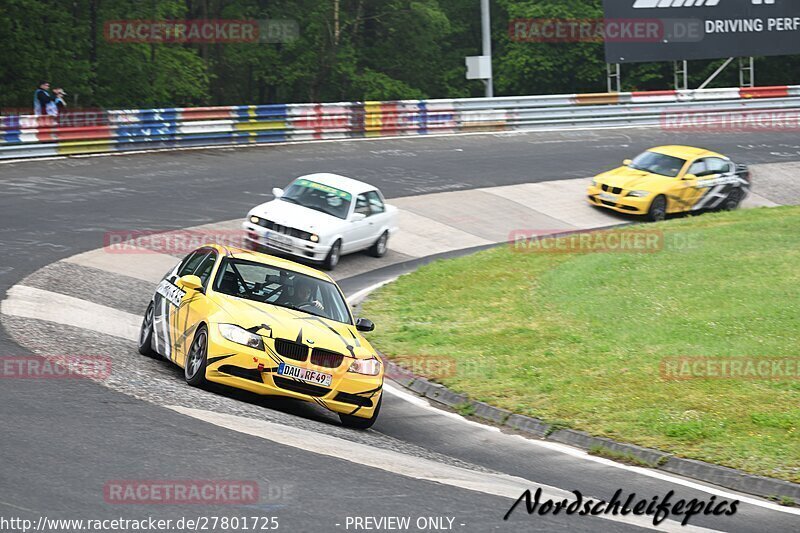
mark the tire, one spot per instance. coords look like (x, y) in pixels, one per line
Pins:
(355, 422)
(333, 256)
(379, 248)
(658, 209)
(197, 359)
(733, 200)
(146, 333)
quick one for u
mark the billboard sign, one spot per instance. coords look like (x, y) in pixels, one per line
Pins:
(707, 29)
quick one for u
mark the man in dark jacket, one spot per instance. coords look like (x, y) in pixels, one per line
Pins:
(41, 97)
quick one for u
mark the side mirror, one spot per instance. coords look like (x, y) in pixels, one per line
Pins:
(277, 192)
(690, 177)
(358, 217)
(364, 324)
(190, 282)
(627, 162)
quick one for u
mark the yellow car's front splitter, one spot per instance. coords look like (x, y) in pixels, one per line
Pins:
(256, 371)
(627, 204)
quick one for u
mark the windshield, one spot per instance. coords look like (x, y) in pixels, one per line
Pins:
(280, 287)
(319, 197)
(661, 164)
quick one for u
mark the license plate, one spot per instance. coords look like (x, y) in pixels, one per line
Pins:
(278, 238)
(304, 374)
(609, 197)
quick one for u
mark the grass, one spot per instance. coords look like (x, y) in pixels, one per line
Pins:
(579, 338)
(786, 501)
(620, 457)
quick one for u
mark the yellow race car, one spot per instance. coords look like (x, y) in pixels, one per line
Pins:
(671, 179)
(266, 325)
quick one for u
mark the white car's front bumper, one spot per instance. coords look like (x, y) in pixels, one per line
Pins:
(263, 240)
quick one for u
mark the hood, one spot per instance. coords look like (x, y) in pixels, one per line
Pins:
(295, 216)
(632, 179)
(282, 323)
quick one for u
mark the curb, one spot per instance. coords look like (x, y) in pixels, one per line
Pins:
(722, 476)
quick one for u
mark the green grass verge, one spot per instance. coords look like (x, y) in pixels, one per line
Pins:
(579, 338)
(620, 457)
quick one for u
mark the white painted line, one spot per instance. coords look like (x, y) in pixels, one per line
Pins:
(405, 465)
(357, 297)
(28, 302)
(146, 266)
(580, 454)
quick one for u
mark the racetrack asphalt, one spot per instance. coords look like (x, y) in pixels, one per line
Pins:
(64, 439)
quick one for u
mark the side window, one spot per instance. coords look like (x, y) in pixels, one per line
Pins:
(362, 205)
(375, 202)
(191, 262)
(699, 168)
(206, 266)
(718, 166)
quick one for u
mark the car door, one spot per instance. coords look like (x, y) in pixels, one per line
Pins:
(713, 186)
(166, 302)
(379, 215)
(359, 231)
(194, 307)
(688, 188)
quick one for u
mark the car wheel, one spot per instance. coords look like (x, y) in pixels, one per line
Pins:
(356, 422)
(196, 360)
(733, 200)
(658, 209)
(333, 256)
(379, 248)
(146, 333)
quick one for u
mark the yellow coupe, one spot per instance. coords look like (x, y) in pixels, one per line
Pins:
(268, 326)
(671, 179)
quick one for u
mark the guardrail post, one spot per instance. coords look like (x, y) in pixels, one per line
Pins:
(747, 69)
(614, 77)
(681, 69)
(486, 29)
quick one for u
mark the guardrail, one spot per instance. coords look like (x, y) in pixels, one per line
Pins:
(27, 136)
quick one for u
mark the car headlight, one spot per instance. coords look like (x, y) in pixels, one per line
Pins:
(254, 219)
(241, 336)
(314, 237)
(594, 183)
(639, 194)
(367, 367)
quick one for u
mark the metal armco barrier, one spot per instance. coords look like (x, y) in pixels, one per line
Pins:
(27, 136)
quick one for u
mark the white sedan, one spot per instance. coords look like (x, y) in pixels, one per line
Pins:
(321, 217)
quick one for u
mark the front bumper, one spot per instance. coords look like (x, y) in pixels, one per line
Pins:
(255, 371)
(262, 240)
(623, 204)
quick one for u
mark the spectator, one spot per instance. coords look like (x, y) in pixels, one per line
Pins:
(57, 105)
(41, 97)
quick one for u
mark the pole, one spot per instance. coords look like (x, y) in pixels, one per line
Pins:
(486, 30)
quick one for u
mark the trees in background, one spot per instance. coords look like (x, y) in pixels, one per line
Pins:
(346, 50)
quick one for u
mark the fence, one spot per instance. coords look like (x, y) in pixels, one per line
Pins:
(27, 136)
